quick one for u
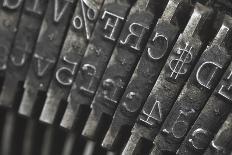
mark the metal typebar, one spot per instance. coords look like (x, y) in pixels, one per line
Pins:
(97, 54)
(48, 46)
(74, 47)
(23, 48)
(201, 83)
(172, 78)
(147, 71)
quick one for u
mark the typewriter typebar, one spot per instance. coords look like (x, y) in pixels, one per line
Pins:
(49, 43)
(79, 33)
(10, 12)
(115, 77)
(102, 42)
(131, 43)
(210, 119)
(197, 90)
(171, 79)
(221, 144)
(22, 50)
(147, 70)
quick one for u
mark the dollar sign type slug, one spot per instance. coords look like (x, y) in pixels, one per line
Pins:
(200, 85)
(171, 80)
(146, 72)
(100, 47)
(178, 65)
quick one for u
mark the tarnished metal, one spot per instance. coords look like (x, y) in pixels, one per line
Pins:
(222, 142)
(210, 119)
(147, 71)
(82, 25)
(47, 50)
(9, 17)
(171, 79)
(126, 54)
(96, 57)
(196, 91)
(24, 42)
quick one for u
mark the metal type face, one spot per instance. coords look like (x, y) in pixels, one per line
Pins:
(97, 54)
(125, 56)
(197, 90)
(210, 119)
(9, 17)
(24, 42)
(147, 71)
(171, 79)
(222, 142)
(82, 25)
(47, 50)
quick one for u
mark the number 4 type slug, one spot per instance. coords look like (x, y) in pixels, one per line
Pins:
(125, 56)
(171, 79)
(147, 71)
